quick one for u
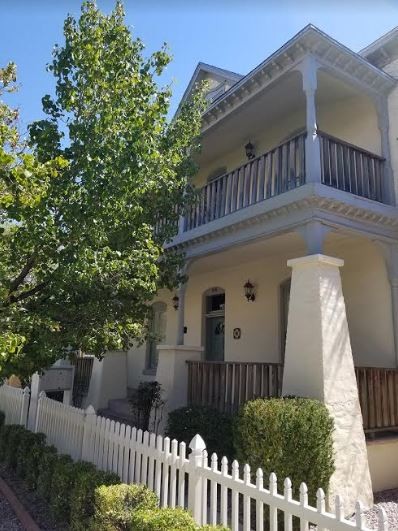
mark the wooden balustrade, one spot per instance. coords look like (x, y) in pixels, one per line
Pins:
(350, 168)
(378, 395)
(81, 381)
(271, 174)
(227, 385)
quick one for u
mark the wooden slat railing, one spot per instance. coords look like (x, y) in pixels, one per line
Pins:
(378, 395)
(81, 381)
(271, 174)
(227, 385)
(351, 168)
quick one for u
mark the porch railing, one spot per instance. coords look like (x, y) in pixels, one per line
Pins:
(227, 385)
(378, 395)
(271, 174)
(351, 168)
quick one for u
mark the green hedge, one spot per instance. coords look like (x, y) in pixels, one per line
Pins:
(114, 506)
(215, 428)
(289, 436)
(82, 497)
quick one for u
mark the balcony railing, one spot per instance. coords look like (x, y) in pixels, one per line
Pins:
(271, 174)
(343, 166)
(350, 168)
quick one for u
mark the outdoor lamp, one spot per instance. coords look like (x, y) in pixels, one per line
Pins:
(249, 291)
(249, 148)
(175, 301)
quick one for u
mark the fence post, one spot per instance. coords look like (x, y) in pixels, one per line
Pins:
(197, 446)
(25, 407)
(88, 423)
(34, 396)
(38, 410)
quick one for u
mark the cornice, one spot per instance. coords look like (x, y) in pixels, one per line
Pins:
(381, 220)
(310, 40)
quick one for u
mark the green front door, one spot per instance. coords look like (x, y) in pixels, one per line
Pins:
(215, 334)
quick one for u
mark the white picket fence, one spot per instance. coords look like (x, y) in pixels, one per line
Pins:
(215, 493)
(14, 403)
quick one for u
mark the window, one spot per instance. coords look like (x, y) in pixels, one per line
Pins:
(158, 334)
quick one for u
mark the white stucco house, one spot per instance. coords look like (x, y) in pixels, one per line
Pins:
(291, 251)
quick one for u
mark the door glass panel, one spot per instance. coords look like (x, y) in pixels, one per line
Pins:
(215, 327)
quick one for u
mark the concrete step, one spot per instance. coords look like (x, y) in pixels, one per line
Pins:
(117, 417)
(120, 406)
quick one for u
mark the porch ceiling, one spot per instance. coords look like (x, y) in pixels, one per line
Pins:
(270, 109)
(289, 245)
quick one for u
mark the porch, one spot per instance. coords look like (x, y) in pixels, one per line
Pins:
(344, 166)
(227, 385)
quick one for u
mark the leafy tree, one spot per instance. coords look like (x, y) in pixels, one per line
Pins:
(86, 255)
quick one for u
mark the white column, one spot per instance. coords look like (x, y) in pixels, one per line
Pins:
(181, 314)
(309, 69)
(319, 364)
(384, 128)
(172, 374)
(390, 255)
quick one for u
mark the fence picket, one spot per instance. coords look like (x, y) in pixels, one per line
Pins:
(164, 467)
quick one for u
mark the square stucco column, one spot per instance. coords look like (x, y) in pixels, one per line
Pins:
(319, 364)
(172, 374)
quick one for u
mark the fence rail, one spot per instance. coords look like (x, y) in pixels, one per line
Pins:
(378, 395)
(227, 385)
(14, 404)
(351, 168)
(215, 492)
(271, 174)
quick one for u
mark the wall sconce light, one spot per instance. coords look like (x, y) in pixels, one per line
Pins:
(250, 153)
(175, 300)
(249, 291)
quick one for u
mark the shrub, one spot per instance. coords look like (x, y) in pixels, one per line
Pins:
(4, 434)
(47, 460)
(215, 428)
(61, 488)
(165, 519)
(116, 504)
(2, 419)
(87, 479)
(15, 436)
(33, 461)
(27, 452)
(289, 436)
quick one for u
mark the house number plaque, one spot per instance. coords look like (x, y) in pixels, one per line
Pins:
(237, 333)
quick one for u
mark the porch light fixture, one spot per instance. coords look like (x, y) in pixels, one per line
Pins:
(249, 291)
(249, 148)
(175, 300)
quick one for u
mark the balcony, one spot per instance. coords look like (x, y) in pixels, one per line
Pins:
(342, 166)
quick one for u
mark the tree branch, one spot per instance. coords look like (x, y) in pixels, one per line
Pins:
(22, 275)
(25, 294)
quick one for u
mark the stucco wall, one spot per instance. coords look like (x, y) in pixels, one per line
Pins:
(383, 463)
(392, 69)
(353, 120)
(365, 287)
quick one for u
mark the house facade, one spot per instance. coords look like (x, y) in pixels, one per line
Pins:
(299, 160)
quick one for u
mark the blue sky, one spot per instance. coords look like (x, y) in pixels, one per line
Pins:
(233, 34)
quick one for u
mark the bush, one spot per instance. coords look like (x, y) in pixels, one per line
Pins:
(115, 506)
(47, 460)
(82, 499)
(61, 488)
(215, 428)
(29, 444)
(289, 436)
(2, 419)
(165, 519)
(33, 461)
(14, 439)
(4, 434)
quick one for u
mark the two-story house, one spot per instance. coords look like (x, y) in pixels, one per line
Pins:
(294, 235)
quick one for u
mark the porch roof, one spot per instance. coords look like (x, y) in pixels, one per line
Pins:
(330, 54)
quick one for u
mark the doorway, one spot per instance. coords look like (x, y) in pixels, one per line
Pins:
(215, 324)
